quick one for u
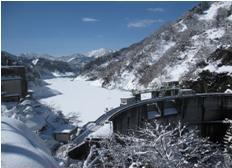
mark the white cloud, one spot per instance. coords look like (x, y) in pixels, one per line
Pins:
(88, 19)
(155, 9)
(143, 23)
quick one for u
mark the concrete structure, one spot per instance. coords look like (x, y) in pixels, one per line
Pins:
(164, 91)
(65, 134)
(126, 101)
(13, 82)
(186, 92)
(200, 109)
(207, 110)
(168, 92)
(171, 84)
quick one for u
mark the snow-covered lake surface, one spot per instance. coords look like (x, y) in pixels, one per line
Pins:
(82, 97)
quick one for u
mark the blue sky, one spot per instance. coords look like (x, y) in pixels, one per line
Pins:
(62, 28)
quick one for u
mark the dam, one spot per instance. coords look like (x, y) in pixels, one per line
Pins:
(207, 111)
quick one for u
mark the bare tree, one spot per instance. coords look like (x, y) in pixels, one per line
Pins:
(158, 146)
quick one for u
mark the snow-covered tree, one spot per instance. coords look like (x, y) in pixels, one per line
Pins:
(160, 146)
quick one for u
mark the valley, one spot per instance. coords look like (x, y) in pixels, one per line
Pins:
(160, 102)
(85, 99)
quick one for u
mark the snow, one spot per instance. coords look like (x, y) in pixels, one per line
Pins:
(81, 78)
(24, 112)
(21, 148)
(182, 27)
(34, 62)
(58, 74)
(228, 91)
(230, 17)
(163, 47)
(135, 165)
(99, 52)
(156, 82)
(211, 13)
(103, 132)
(105, 64)
(176, 72)
(43, 92)
(37, 117)
(215, 33)
(222, 69)
(208, 38)
(97, 82)
(82, 98)
(71, 59)
(187, 58)
(65, 129)
(35, 122)
(128, 80)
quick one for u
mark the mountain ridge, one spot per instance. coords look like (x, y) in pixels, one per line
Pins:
(46, 65)
(169, 54)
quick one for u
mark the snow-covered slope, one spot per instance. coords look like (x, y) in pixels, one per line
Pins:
(52, 68)
(99, 52)
(42, 119)
(171, 53)
(45, 65)
(38, 66)
(21, 148)
(213, 74)
(76, 60)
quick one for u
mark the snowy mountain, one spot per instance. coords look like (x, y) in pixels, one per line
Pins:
(99, 52)
(214, 74)
(38, 67)
(51, 68)
(76, 60)
(35, 55)
(169, 54)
